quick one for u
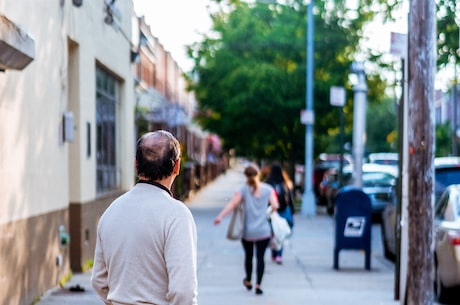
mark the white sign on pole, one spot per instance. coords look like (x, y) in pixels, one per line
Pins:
(307, 117)
(337, 96)
(398, 46)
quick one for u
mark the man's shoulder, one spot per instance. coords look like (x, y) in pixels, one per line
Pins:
(176, 207)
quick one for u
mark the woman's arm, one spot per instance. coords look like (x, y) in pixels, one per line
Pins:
(273, 200)
(236, 199)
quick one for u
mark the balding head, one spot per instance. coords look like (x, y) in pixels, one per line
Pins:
(157, 153)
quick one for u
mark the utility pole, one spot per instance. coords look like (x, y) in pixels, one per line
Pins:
(422, 66)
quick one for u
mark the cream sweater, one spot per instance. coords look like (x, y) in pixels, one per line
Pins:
(146, 250)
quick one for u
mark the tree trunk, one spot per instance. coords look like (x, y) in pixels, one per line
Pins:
(422, 62)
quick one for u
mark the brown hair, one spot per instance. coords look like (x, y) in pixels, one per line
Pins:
(251, 172)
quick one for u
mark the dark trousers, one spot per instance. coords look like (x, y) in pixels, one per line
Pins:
(261, 246)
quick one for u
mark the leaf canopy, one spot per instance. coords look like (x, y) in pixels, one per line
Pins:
(249, 74)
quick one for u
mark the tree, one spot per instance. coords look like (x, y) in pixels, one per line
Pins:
(250, 84)
(250, 74)
(448, 32)
(381, 128)
(443, 139)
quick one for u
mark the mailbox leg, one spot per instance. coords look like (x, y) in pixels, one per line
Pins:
(368, 259)
(336, 258)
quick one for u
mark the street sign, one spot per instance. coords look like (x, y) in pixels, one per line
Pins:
(337, 96)
(398, 45)
(307, 117)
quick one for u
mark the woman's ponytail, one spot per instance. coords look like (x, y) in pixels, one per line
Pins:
(251, 171)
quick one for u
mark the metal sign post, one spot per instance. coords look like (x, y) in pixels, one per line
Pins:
(337, 98)
(308, 197)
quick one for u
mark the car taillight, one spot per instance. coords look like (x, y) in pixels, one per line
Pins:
(454, 238)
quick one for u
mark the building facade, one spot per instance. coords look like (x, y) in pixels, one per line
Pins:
(163, 102)
(67, 134)
(79, 82)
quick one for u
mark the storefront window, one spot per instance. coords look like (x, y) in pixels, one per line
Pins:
(106, 151)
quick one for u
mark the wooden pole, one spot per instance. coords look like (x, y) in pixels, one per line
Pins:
(422, 65)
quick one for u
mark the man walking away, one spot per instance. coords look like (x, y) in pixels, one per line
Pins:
(146, 243)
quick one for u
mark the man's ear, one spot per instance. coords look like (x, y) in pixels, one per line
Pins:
(176, 168)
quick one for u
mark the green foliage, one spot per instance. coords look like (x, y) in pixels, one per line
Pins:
(249, 74)
(443, 139)
(252, 79)
(448, 32)
(381, 126)
(382, 130)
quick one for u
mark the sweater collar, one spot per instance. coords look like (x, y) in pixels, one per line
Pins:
(159, 185)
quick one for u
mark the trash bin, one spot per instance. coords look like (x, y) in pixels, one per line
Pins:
(353, 223)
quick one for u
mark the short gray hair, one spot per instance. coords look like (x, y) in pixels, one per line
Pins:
(156, 154)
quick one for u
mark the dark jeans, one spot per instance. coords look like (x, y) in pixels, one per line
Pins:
(261, 246)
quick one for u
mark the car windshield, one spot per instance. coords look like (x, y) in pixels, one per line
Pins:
(378, 178)
(386, 162)
(331, 163)
(447, 176)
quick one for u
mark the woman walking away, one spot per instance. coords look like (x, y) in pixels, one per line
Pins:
(283, 189)
(254, 196)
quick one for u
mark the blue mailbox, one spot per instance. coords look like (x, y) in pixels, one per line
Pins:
(353, 223)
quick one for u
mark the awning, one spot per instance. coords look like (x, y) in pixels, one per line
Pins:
(17, 48)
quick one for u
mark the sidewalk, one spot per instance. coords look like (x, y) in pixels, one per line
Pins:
(305, 277)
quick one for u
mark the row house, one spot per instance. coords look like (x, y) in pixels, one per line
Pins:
(67, 131)
(443, 107)
(163, 102)
(447, 110)
(79, 82)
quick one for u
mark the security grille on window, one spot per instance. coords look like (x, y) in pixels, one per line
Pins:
(106, 152)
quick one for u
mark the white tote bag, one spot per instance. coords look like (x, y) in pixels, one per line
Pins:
(281, 230)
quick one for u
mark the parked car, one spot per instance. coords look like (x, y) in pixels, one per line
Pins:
(446, 172)
(447, 243)
(324, 163)
(379, 182)
(384, 158)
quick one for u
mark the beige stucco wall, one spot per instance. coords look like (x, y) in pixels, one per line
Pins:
(102, 44)
(40, 173)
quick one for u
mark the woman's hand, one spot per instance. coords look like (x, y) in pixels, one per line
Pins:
(217, 220)
(236, 199)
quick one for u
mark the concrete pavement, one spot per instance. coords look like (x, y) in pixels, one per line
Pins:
(305, 277)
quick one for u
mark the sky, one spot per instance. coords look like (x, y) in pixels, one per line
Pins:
(176, 23)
